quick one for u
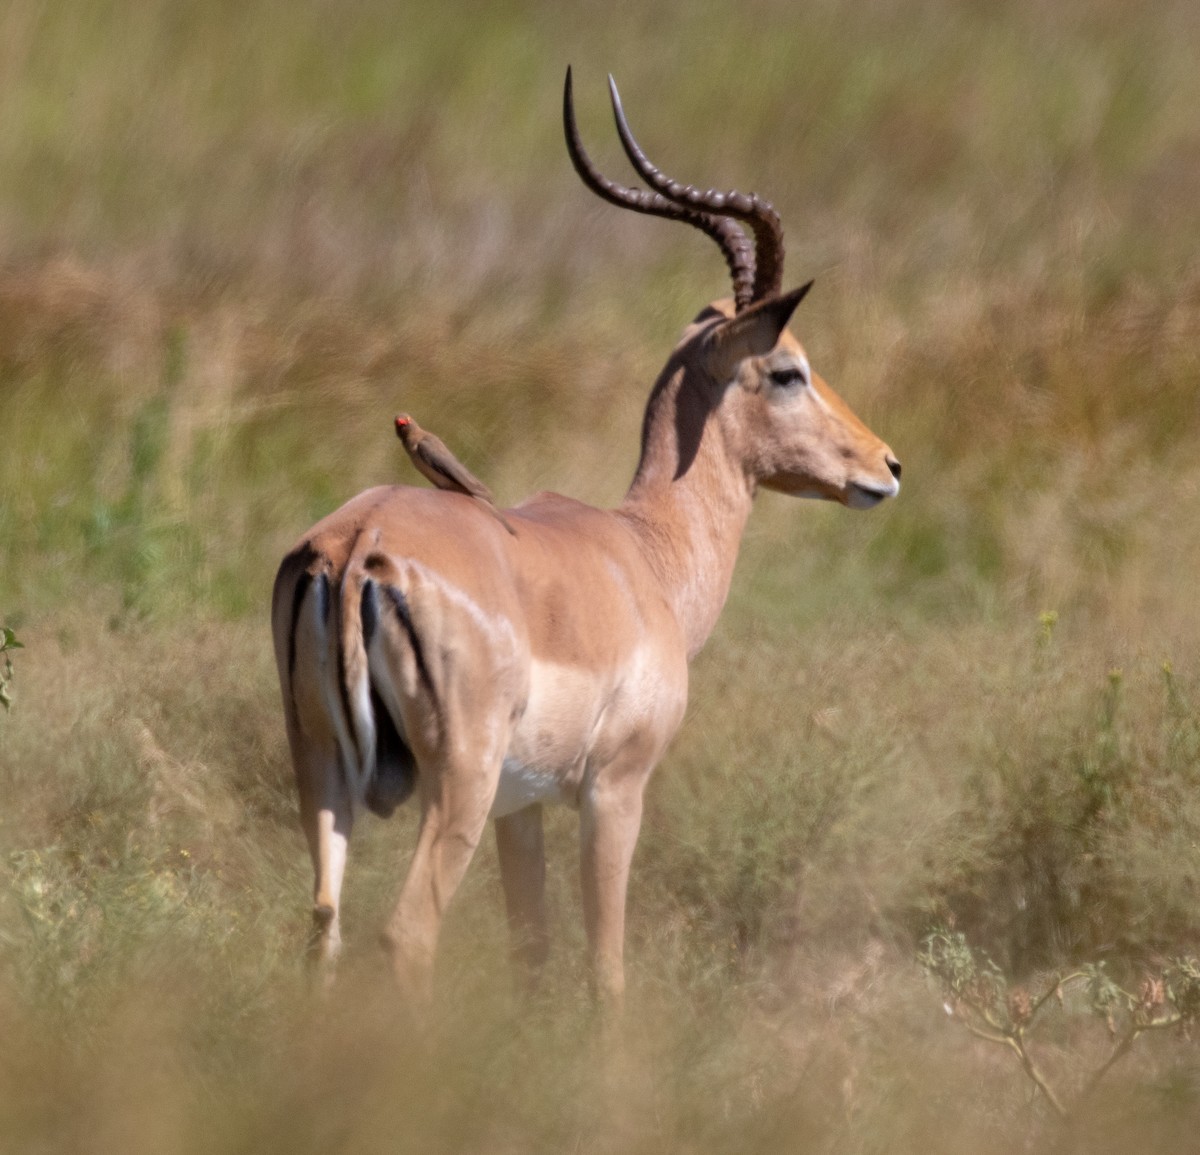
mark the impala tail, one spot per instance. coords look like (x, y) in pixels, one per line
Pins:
(336, 621)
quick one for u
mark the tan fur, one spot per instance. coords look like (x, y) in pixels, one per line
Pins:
(556, 659)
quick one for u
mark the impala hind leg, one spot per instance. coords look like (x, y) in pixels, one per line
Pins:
(521, 847)
(327, 818)
(610, 817)
(454, 811)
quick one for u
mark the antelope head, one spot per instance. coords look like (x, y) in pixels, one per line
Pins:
(743, 372)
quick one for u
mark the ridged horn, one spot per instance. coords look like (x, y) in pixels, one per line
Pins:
(734, 244)
(759, 214)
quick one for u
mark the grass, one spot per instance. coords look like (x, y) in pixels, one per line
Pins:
(235, 239)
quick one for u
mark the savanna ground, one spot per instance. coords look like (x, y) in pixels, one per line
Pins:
(235, 238)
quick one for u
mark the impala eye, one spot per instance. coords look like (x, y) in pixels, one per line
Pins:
(789, 375)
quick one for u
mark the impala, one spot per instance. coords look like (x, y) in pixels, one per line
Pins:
(421, 647)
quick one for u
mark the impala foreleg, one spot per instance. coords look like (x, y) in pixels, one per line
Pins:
(610, 817)
(521, 848)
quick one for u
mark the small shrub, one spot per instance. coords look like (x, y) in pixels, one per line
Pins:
(980, 996)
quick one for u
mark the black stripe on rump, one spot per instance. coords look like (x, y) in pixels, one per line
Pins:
(297, 568)
(302, 584)
(400, 605)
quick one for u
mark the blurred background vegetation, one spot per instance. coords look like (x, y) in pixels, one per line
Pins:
(235, 238)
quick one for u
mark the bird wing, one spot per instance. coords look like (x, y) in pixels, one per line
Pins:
(441, 460)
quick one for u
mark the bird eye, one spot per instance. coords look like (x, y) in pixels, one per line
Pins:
(789, 375)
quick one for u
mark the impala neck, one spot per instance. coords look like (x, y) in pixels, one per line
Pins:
(689, 501)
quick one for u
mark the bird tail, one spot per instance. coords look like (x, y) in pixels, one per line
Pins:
(497, 515)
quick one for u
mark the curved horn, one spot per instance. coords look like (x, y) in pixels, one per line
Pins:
(734, 244)
(758, 213)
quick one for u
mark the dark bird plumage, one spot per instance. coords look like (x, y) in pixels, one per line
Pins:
(436, 463)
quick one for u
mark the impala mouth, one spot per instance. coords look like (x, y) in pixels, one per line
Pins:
(860, 496)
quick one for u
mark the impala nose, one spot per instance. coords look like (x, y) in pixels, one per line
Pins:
(894, 466)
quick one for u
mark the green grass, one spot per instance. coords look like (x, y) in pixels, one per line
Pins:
(236, 238)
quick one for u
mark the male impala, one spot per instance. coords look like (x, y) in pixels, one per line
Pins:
(421, 646)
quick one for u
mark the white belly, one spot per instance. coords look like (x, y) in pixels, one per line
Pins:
(522, 786)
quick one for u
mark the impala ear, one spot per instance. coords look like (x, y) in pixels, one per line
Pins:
(753, 332)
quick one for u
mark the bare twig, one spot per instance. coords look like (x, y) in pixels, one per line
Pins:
(1017, 1043)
